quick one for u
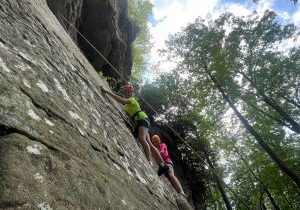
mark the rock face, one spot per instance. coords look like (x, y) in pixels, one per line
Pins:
(71, 11)
(63, 145)
(106, 25)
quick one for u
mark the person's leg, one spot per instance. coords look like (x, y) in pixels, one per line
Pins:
(148, 147)
(154, 151)
(174, 181)
(142, 133)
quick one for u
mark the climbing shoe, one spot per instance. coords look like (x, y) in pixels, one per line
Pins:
(162, 169)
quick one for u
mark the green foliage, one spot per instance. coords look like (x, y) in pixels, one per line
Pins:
(242, 55)
(139, 11)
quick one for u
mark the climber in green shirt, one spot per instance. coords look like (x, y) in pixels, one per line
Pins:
(141, 123)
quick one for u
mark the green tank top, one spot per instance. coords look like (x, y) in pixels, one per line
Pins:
(133, 107)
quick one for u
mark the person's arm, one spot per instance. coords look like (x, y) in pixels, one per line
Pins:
(116, 97)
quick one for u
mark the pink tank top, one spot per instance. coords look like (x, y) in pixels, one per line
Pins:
(162, 148)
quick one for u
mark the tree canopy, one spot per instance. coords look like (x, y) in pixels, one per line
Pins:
(235, 98)
(139, 11)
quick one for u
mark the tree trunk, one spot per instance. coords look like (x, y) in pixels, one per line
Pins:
(294, 125)
(291, 101)
(284, 168)
(219, 183)
(261, 201)
(279, 121)
(276, 207)
(262, 184)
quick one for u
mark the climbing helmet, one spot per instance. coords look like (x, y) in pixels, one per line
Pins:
(155, 139)
(127, 88)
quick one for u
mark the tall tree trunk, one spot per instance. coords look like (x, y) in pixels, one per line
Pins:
(276, 207)
(248, 166)
(284, 168)
(279, 121)
(219, 183)
(261, 201)
(291, 101)
(293, 124)
(264, 185)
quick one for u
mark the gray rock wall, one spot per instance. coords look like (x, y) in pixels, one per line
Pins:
(106, 25)
(71, 11)
(63, 145)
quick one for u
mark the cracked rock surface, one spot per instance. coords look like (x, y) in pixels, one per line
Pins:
(106, 25)
(63, 145)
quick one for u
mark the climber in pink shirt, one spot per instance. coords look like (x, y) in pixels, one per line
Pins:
(162, 148)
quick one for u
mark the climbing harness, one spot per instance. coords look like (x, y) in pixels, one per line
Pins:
(176, 133)
(135, 114)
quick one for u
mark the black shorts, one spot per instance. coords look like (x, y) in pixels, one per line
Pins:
(141, 123)
(170, 168)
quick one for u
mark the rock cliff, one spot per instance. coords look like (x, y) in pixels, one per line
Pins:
(106, 25)
(63, 145)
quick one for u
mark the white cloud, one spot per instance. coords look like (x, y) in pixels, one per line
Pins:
(264, 5)
(286, 17)
(296, 18)
(173, 15)
(238, 9)
(288, 44)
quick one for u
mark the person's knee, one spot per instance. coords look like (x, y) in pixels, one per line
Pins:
(169, 173)
(152, 146)
(143, 142)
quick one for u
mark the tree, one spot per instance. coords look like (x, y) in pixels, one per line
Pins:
(235, 63)
(218, 181)
(209, 54)
(139, 11)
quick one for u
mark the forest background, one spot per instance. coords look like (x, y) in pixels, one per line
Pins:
(232, 93)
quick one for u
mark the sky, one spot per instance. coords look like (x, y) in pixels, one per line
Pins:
(170, 16)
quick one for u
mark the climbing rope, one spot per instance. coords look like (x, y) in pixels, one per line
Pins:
(167, 124)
